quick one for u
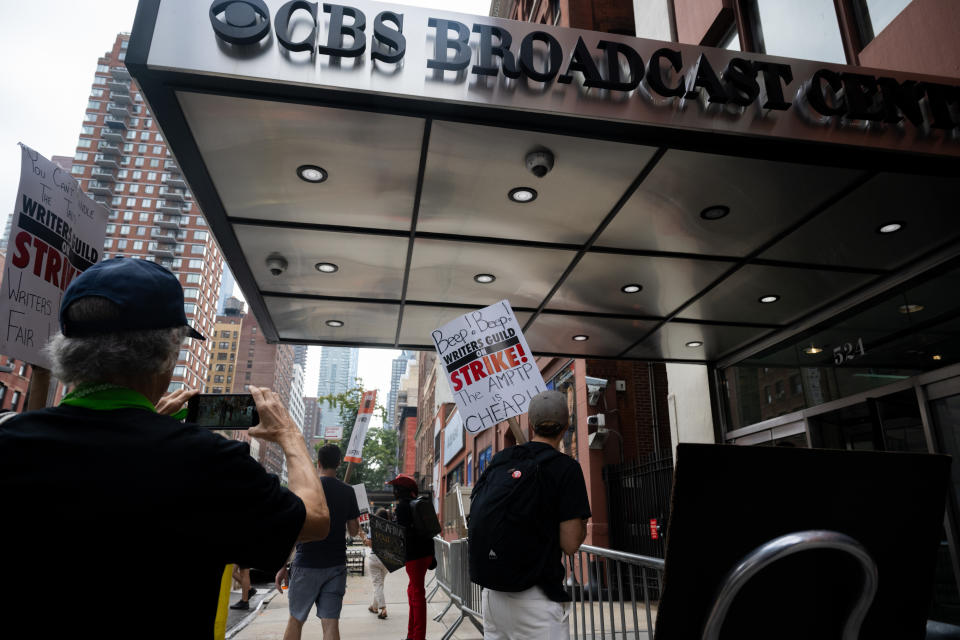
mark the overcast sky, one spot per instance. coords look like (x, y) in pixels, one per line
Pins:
(49, 49)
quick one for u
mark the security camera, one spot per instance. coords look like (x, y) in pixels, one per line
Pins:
(539, 162)
(276, 264)
(599, 420)
(595, 387)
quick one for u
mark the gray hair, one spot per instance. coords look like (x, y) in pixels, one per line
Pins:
(122, 355)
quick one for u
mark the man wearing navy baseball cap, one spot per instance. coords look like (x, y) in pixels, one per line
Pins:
(108, 487)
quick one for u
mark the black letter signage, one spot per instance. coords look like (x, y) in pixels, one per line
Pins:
(338, 30)
(554, 56)
(282, 22)
(246, 21)
(442, 45)
(389, 45)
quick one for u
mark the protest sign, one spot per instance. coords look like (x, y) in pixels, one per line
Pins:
(359, 435)
(56, 233)
(388, 542)
(333, 433)
(362, 502)
(488, 364)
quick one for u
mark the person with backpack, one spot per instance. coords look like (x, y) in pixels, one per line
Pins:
(529, 505)
(420, 528)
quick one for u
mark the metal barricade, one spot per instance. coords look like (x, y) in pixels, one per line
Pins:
(602, 583)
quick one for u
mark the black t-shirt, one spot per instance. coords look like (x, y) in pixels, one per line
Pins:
(141, 511)
(415, 546)
(567, 500)
(332, 550)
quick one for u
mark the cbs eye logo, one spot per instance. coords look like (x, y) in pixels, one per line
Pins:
(245, 21)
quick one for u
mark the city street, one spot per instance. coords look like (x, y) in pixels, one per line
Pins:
(268, 614)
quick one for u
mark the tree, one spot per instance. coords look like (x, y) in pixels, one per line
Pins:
(379, 448)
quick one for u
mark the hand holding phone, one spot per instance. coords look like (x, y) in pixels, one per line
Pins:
(223, 411)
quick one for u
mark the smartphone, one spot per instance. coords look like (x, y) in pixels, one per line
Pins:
(223, 410)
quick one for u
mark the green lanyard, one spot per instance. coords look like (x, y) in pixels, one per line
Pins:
(106, 397)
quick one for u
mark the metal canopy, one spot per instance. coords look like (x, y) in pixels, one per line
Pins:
(415, 205)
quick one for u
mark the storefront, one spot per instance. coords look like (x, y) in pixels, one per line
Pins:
(372, 171)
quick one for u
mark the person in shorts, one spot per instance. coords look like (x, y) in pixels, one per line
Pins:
(318, 575)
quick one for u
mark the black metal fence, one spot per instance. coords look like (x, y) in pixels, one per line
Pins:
(638, 500)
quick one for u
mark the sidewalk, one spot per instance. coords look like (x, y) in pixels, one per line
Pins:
(268, 615)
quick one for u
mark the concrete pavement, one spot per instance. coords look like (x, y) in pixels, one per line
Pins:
(268, 614)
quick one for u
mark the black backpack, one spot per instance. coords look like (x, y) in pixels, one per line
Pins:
(510, 537)
(424, 517)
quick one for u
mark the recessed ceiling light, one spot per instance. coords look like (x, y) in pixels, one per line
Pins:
(326, 267)
(334, 323)
(715, 212)
(484, 278)
(769, 299)
(522, 194)
(311, 173)
(580, 338)
(910, 308)
(890, 227)
(693, 344)
(631, 288)
(812, 350)
(937, 356)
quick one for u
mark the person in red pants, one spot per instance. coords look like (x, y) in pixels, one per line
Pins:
(419, 557)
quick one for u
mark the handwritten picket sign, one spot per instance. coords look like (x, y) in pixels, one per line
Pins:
(359, 435)
(56, 233)
(388, 540)
(488, 365)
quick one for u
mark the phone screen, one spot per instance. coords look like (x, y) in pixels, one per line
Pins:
(223, 410)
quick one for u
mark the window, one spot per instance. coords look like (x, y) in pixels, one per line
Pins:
(138, 245)
(119, 188)
(144, 135)
(189, 308)
(221, 356)
(198, 249)
(127, 146)
(146, 203)
(23, 369)
(124, 44)
(158, 138)
(141, 148)
(96, 93)
(131, 135)
(99, 80)
(198, 264)
(137, 175)
(124, 229)
(122, 173)
(158, 149)
(121, 244)
(199, 235)
(806, 30)
(191, 292)
(194, 278)
(134, 122)
(77, 170)
(148, 188)
(155, 162)
(108, 243)
(115, 201)
(102, 68)
(89, 117)
(148, 123)
(138, 162)
(15, 402)
(179, 371)
(128, 215)
(134, 188)
(114, 214)
(86, 130)
(84, 142)
(93, 105)
(767, 396)
(81, 156)
(152, 175)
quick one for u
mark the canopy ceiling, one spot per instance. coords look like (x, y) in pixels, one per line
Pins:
(416, 204)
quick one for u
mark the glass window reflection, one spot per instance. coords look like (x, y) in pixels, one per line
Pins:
(807, 30)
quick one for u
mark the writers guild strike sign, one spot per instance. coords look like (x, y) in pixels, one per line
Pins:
(359, 435)
(388, 542)
(489, 367)
(56, 232)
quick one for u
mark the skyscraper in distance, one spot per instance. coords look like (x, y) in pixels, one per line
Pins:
(338, 371)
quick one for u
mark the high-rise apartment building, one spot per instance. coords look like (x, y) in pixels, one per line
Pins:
(264, 365)
(397, 370)
(123, 162)
(300, 355)
(221, 373)
(338, 370)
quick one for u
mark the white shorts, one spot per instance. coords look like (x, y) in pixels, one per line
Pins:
(524, 615)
